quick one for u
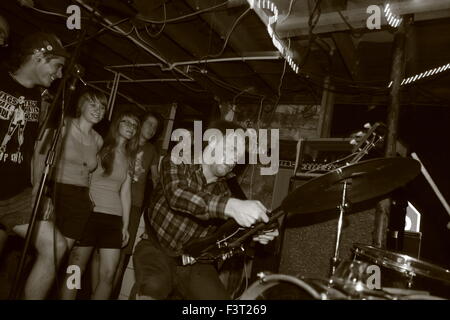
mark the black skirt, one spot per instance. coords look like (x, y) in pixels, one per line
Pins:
(73, 206)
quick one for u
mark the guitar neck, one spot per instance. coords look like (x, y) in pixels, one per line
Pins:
(278, 212)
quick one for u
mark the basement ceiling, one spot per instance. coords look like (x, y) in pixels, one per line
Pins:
(166, 51)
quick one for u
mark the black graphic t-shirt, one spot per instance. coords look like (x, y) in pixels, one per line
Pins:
(19, 115)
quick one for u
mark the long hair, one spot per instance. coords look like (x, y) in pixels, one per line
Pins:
(107, 152)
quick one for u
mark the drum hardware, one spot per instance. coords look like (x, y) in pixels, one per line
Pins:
(286, 287)
(342, 207)
(349, 282)
(352, 279)
(353, 183)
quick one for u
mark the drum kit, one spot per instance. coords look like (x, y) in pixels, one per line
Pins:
(373, 273)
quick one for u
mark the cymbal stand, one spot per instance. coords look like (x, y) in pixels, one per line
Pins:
(342, 207)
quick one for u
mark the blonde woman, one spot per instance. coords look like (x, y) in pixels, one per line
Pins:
(110, 190)
(77, 161)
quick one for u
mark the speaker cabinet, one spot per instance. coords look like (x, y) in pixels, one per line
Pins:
(309, 240)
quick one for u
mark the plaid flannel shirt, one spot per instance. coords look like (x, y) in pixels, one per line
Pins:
(184, 206)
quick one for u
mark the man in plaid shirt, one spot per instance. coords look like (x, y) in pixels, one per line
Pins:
(190, 202)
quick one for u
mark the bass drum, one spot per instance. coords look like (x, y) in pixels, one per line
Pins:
(286, 287)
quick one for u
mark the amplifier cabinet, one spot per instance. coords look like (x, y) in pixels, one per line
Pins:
(309, 240)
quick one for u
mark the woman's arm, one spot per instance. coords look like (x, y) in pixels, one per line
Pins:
(154, 174)
(125, 197)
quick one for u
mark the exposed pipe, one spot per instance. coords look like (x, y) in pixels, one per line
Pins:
(136, 65)
(121, 75)
(134, 40)
(143, 80)
(120, 94)
(243, 59)
(181, 63)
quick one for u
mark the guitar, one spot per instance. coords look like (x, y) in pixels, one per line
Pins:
(230, 238)
(364, 142)
(227, 241)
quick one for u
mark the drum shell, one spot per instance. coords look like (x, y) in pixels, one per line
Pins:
(286, 287)
(407, 278)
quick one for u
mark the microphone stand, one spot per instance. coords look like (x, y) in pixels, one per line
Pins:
(49, 162)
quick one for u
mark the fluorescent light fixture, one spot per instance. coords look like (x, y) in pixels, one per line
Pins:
(270, 5)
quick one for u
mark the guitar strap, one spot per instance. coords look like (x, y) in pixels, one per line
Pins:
(235, 188)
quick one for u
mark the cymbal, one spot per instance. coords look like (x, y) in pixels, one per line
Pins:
(365, 180)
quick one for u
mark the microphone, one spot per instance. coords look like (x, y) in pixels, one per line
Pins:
(77, 74)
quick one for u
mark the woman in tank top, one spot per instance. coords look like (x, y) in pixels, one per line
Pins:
(77, 160)
(110, 191)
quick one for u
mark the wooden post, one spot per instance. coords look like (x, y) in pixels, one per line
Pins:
(398, 65)
(326, 110)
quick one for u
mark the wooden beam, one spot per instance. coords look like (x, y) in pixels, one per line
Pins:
(196, 42)
(348, 52)
(241, 40)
